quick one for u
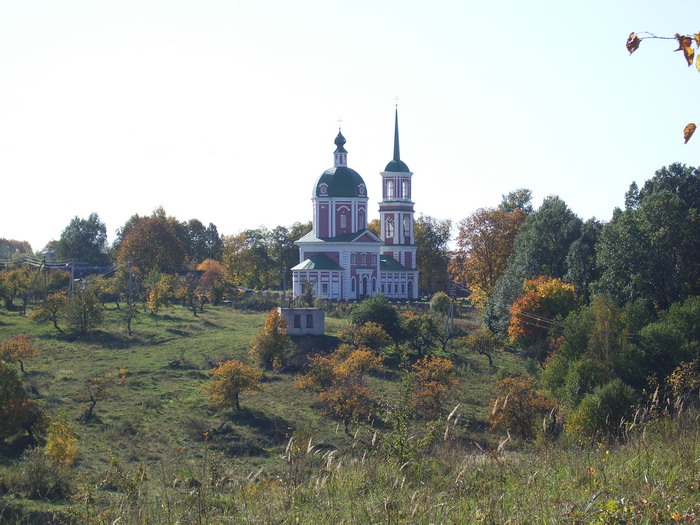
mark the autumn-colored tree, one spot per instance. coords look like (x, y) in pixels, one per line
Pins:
(375, 226)
(345, 364)
(160, 289)
(14, 283)
(61, 443)
(271, 342)
(320, 373)
(432, 237)
(213, 284)
(339, 377)
(50, 309)
(519, 407)
(684, 383)
(358, 363)
(369, 335)
(347, 402)
(96, 389)
(485, 240)
(231, 379)
(432, 379)
(481, 340)
(546, 301)
(128, 315)
(18, 348)
(151, 244)
(57, 280)
(541, 248)
(17, 412)
(247, 259)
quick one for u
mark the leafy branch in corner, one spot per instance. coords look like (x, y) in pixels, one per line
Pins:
(687, 44)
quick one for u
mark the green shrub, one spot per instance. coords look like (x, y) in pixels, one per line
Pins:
(36, 476)
(602, 413)
(582, 378)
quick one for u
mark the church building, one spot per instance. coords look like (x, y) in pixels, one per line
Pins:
(340, 257)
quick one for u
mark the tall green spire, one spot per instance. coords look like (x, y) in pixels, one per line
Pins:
(397, 154)
(396, 164)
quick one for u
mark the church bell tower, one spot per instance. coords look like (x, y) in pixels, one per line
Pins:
(396, 208)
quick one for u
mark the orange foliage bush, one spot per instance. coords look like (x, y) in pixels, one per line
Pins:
(518, 406)
(232, 378)
(545, 300)
(433, 379)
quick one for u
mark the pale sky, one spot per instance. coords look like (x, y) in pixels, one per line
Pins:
(226, 110)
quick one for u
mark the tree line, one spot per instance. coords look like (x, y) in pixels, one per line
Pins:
(606, 311)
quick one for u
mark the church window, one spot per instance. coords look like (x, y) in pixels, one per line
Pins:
(390, 189)
(374, 285)
(343, 221)
(403, 289)
(364, 259)
(406, 226)
(390, 226)
(352, 285)
(361, 219)
(404, 190)
(352, 259)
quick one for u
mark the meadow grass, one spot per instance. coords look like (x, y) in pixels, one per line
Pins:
(155, 453)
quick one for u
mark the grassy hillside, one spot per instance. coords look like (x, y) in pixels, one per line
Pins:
(156, 454)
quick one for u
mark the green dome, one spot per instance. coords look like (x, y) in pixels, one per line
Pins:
(397, 166)
(340, 181)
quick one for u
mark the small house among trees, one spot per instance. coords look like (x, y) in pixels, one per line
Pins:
(304, 321)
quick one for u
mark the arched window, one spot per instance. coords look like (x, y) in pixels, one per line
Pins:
(352, 285)
(404, 190)
(343, 220)
(361, 219)
(406, 226)
(389, 226)
(390, 189)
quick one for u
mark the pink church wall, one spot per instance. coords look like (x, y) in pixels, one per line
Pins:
(323, 228)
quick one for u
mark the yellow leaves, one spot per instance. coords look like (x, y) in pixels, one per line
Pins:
(633, 42)
(685, 45)
(61, 443)
(433, 377)
(689, 130)
(232, 378)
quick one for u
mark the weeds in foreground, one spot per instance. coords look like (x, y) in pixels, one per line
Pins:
(653, 478)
